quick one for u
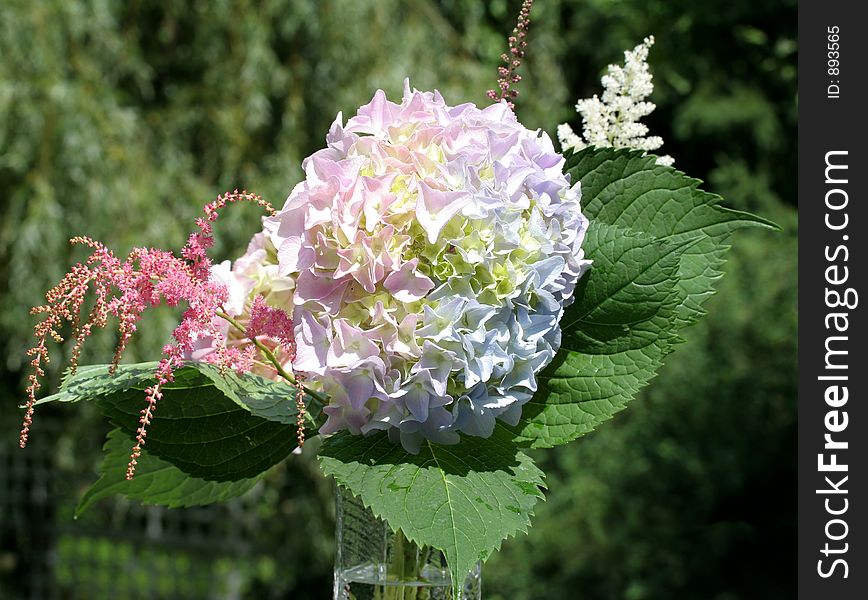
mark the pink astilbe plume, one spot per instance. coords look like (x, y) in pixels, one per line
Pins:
(240, 360)
(165, 374)
(507, 75)
(125, 289)
(271, 322)
(275, 324)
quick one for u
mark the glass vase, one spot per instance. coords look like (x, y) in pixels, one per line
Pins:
(372, 562)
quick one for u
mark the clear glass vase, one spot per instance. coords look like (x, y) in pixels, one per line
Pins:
(372, 562)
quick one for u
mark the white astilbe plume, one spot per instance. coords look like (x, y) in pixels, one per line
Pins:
(613, 121)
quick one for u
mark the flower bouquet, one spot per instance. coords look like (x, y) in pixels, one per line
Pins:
(442, 291)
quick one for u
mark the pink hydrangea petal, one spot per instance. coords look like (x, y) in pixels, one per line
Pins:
(407, 284)
(312, 340)
(377, 200)
(434, 208)
(350, 346)
(294, 255)
(375, 116)
(321, 289)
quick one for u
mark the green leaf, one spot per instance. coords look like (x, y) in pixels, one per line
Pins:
(463, 499)
(156, 481)
(629, 189)
(630, 296)
(212, 425)
(203, 432)
(274, 401)
(90, 381)
(658, 245)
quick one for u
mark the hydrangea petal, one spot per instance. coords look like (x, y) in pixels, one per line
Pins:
(407, 284)
(435, 207)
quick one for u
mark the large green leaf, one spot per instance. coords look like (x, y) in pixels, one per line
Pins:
(156, 481)
(274, 401)
(630, 297)
(203, 432)
(463, 499)
(215, 425)
(658, 244)
(629, 189)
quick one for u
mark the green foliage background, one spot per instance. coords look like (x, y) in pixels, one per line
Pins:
(119, 120)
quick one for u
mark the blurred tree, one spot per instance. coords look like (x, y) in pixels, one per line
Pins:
(119, 120)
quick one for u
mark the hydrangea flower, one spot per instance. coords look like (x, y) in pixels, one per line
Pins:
(426, 260)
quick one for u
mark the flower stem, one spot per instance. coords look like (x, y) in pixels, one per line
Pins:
(269, 355)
